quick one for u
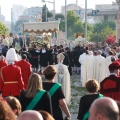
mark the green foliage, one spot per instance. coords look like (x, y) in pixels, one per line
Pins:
(18, 23)
(57, 16)
(3, 29)
(74, 25)
(49, 14)
(102, 35)
(62, 25)
(102, 30)
(100, 26)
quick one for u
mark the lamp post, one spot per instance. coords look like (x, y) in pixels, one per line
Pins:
(65, 19)
(46, 13)
(86, 19)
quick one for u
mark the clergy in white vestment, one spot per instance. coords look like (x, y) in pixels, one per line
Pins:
(99, 67)
(90, 61)
(83, 67)
(86, 60)
(63, 77)
(94, 64)
(108, 62)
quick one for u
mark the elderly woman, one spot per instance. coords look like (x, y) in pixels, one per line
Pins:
(92, 86)
(56, 93)
(35, 98)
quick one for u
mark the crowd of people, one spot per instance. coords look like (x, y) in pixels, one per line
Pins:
(25, 95)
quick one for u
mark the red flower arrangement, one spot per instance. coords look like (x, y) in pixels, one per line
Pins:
(110, 39)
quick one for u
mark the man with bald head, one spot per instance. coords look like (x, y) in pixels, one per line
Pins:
(30, 115)
(104, 109)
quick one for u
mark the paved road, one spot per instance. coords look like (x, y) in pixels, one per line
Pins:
(77, 91)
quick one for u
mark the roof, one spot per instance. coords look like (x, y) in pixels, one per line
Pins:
(41, 27)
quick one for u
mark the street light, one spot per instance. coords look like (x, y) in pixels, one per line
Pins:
(53, 7)
(86, 19)
(65, 19)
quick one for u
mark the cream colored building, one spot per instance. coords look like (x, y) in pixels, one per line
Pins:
(106, 12)
(70, 7)
(103, 12)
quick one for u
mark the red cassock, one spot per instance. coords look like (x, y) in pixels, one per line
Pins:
(26, 71)
(2, 64)
(110, 87)
(11, 81)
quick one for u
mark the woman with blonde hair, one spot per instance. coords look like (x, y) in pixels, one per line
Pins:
(56, 93)
(92, 87)
(35, 98)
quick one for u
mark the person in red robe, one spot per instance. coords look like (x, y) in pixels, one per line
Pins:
(118, 60)
(2, 61)
(25, 69)
(11, 82)
(110, 86)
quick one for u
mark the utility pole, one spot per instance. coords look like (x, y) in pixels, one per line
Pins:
(86, 19)
(46, 12)
(77, 6)
(65, 19)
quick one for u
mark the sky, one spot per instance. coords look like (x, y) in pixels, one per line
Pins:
(6, 5)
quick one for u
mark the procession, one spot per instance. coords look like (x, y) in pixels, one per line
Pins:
(60, 66)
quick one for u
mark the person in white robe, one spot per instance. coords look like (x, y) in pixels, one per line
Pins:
(94, 64)
(108, 62)
(83, 68)
(90, 62)
(63, 77)
(99, 67)
(86, 60)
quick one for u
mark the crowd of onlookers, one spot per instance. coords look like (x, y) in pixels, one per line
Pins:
(25, 96)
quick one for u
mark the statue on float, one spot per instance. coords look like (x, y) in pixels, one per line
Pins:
(80, 39)
(39, 41)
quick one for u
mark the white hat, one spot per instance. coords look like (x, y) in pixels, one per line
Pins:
(60, 56)
(11, 55)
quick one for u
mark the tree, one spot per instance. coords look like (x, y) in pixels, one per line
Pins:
(74, 25)
(18, 23)
(3, 29)
(110, 39)
(100, 26)
(49, 14)
(102, 35)
(57, 16)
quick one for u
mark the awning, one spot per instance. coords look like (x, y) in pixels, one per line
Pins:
(41, 27)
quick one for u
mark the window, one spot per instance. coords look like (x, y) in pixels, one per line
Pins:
(106, 17)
